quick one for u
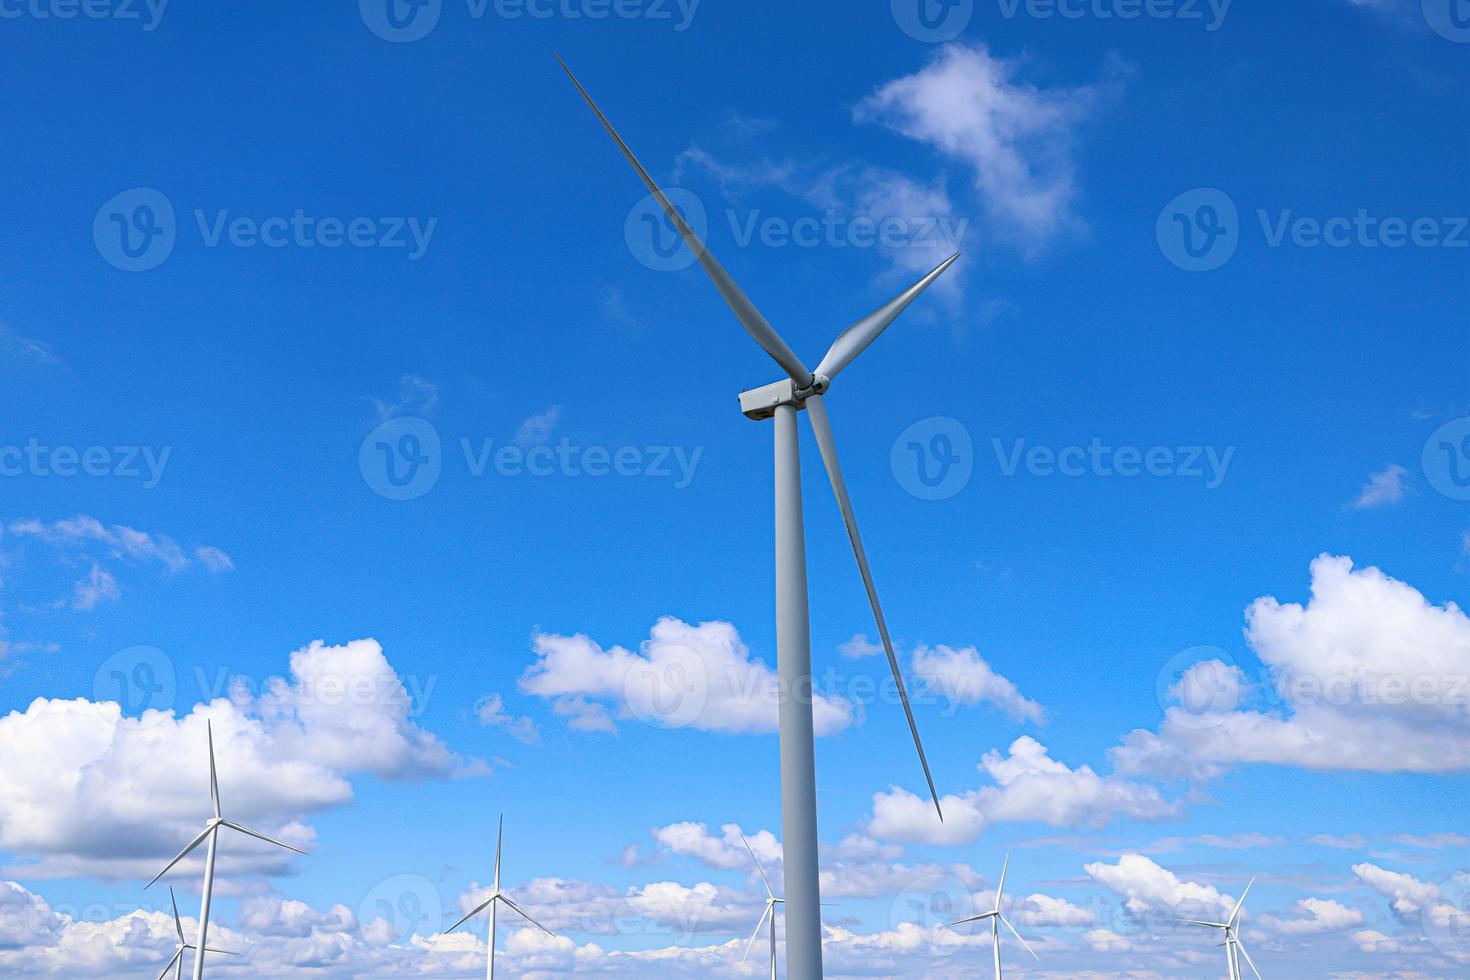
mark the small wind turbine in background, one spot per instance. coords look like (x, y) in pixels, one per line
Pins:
(771, 902)
(996, 918)
(801, 390)
(1234, 948)
(211, 834)
(496, 895)
(177, 963)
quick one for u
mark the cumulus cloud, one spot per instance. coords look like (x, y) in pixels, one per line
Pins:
(1015, 136)
(964, 678)
(1312, 916)
(700, 677)
(1408, 895)
(1370, 675)
(87, 790)
(725, 852)
(492, 714)
(1146, 887)
(1029, 787)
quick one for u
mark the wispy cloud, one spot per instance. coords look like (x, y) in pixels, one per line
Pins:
(16, 348)
(1384, 487)
(538, 428)
(415, 395)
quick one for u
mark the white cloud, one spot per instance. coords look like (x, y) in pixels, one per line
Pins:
(725, 852)
(85, 790)
(964, 678)
(18, 348)
(1226, 842)
(1408, 894)
(416, 396)
(116, 541)
(1370, 676)
(1312, 917)
(682, 676)
(1029, 787)
(537, 429)
(1343, 842)
(213, 559)
(1384, 487)
(492, 714)
(1016, 136)
(1146, 886)
(1373, 941)
(99, 586)
(1433, 842)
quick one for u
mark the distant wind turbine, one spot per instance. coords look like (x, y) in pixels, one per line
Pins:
(496, 895)
(771, 902)
(177, 963)
(1234, 948)
(211, 834)
(996, 918)
(801, 389)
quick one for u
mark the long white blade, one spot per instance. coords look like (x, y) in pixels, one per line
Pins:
(499, 840)
(213, 776)
(522, 913)
(472, 913)
(182, 854)
(761, 871)
(223, 952)
(770, 910)
(735, 298)
(174, 959)
(1006, 922)
(822, 426)
(259, 836)
(1241, 946)
(855, 339)
(1212, 925)
(974, 918)
(1002, 886)
(1236, 914)
(178, 924)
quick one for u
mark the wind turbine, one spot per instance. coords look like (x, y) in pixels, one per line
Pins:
(781, 401)
(177, 962)
(496, 895)
(211, 834)
(1234, 948)
(771, 902)
(996, 917)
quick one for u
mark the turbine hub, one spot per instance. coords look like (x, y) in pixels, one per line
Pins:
(761, 403)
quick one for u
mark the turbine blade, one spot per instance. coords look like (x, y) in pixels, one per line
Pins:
(223, 952)
(1236, 914)
(740, 304)
(213, 776)
(1197, 922)
(259, 836)
(974, 918)
(770, 909)
(769, 894)
(1241, 946)
(472, 913)
(1002, 887)
(522, 913)
(178, 925)
(1007, 923)
(499, 840)
(182, 854)
(855, 339)
(172, 960)
(822, 426)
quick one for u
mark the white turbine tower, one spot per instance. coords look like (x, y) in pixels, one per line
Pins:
(177, 962)
(1234, 948)
(496, 895)
(211, 834)
(781, 401)
(771, 902)
(996, 919)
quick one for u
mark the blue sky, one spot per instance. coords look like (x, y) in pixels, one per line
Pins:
(1147, 688)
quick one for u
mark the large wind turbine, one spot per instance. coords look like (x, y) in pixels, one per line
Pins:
(771, 902)
(177, 962)
(496, 895)
(781, 401)
(996, 918)
(211, 834)
(1234, 948)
